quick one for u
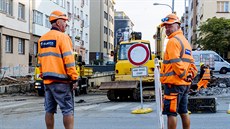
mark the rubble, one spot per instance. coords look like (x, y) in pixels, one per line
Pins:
(7, 80)
(219, 87)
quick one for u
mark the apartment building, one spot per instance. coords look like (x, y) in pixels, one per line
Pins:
(14, 36)
(82, 43)
(201, 10)
(101, 30)
(77, 29)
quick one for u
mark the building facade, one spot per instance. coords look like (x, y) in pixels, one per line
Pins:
(23, 22)
(101, 31)
(14, 37)
(80, 28)
(200, 11)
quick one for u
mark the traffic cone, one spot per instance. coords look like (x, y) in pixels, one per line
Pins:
(228, 111)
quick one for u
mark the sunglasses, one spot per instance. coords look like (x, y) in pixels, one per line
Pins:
(165, 19)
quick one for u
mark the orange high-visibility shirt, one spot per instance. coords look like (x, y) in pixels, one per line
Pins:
(55, 57)
(178, 61)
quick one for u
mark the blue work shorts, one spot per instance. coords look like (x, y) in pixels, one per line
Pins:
(59, 94)
(175, 100)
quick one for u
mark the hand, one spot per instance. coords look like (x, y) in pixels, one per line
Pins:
(189, 78)
(75, 85)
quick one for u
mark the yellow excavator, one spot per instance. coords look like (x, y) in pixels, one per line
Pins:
(83, 71)
(125, 86)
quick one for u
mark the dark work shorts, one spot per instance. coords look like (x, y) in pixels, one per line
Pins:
(59, 94)
(175, 100)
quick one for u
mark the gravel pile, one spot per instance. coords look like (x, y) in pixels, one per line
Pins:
(218, 87)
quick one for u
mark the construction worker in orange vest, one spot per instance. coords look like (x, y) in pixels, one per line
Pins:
(57, 66)
(205, 78)
(177, 72)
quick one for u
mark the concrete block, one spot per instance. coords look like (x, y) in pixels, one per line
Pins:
(2, 89)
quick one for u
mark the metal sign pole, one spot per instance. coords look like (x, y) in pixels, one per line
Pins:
(141, 92)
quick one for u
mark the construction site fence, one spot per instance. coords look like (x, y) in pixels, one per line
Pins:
(25, 70)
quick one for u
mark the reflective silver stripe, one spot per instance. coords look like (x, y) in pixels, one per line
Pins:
(186, 60)
(182, 46)
(69, 65)
(50, 54)
(171, 61)
(171, 74)
(67, 53)
(183, 74)
(177, 60)
(168, 74)
(38, 65)
(63, 76)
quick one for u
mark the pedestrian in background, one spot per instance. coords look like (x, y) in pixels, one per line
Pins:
(57, 69)
(177, 72)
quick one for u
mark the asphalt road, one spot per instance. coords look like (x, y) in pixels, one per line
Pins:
(95, 112)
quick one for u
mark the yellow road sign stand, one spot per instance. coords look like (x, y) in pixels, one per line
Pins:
(142, 111)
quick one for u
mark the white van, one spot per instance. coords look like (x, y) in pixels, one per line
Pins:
(212, 59)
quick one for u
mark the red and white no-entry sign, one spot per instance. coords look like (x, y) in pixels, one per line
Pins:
(138, 54)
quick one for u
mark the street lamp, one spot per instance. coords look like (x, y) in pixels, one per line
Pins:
(172, 8)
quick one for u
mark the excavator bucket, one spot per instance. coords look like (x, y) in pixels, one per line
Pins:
(118, 85)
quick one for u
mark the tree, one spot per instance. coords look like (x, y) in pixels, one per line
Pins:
(214, 34)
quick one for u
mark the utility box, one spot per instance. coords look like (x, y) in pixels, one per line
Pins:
(202, 104)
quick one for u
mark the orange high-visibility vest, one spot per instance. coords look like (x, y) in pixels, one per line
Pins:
(55, 57)
(206, 75)
(178, 60)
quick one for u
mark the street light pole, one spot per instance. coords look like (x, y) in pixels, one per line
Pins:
(172, 8)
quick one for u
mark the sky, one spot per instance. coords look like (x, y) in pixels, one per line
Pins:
(146, 16)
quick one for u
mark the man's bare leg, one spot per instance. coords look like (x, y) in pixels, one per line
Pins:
(49, 118)
(185, 120)
(172, 122)
(68, 121)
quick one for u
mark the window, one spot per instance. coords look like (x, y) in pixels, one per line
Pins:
(105, 15)
(9, 44)
(38, 17)
(86, 38)
(106, 2)
(196, 58)
(56, 1)
(21, 11)
(62, 3)
(68, 6)
(8, 7)
(68, 29)
(35, 48)
(2, 5)
(216, 58)
(222, 6)
(47, 22)
(21, 46)
(86, 20)
(81, 15)
(105, 44)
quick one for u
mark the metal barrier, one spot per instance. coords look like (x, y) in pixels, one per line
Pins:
(102, 68)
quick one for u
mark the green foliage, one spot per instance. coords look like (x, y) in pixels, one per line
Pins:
(214, 34)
